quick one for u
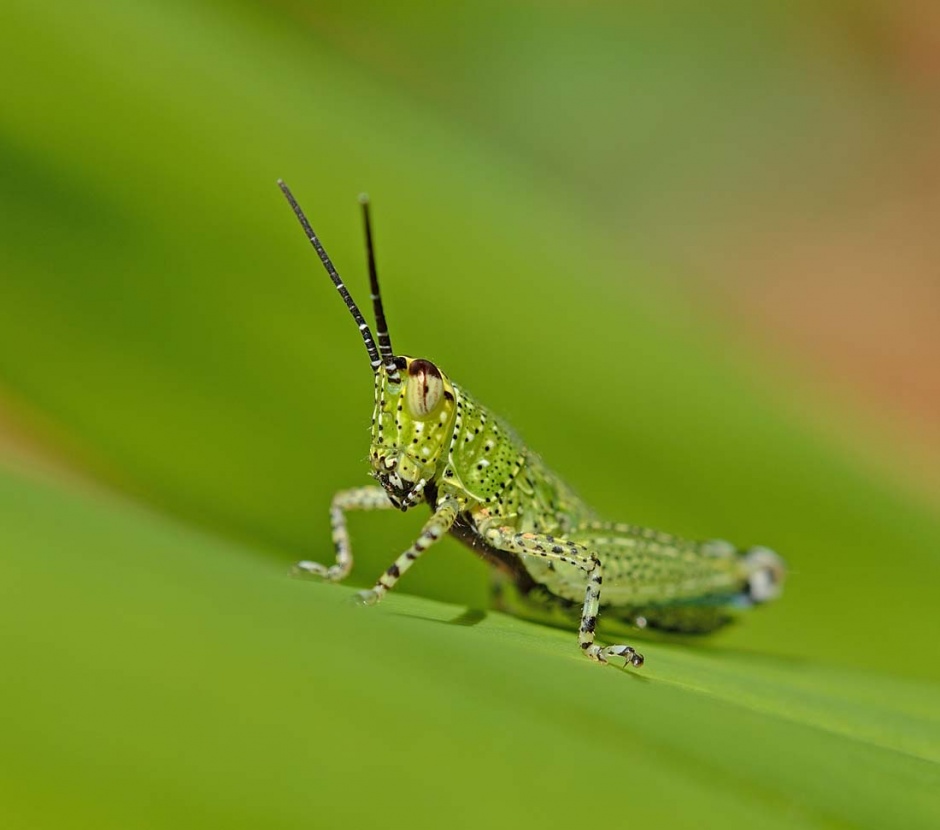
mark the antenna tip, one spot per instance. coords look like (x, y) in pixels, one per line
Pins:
(363, 198)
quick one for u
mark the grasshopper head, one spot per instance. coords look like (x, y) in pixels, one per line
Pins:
(411, 427)
(414, 401)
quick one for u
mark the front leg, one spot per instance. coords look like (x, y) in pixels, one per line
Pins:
(358, 498)
(559, 550)
(444, 516)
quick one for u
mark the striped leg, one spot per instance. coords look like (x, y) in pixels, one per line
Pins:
(359, 498)
(440, 522)
(559, 550)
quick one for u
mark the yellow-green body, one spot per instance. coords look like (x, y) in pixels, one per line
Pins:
(650, 577)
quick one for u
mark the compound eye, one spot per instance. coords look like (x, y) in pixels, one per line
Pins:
(425, 389)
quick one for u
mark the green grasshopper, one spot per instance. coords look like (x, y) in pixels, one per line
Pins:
(433, 443)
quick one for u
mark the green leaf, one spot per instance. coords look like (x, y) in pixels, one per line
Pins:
(158, 677)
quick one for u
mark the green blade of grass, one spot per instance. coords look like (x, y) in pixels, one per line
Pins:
(159, 677)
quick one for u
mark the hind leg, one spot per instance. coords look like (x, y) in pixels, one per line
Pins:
(559, 550)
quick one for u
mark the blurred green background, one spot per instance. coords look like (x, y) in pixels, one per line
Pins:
(690, 253)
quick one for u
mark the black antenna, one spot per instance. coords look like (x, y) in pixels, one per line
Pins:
(350, 303)
(381, 327)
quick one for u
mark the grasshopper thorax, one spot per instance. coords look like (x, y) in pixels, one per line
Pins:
(412, 425)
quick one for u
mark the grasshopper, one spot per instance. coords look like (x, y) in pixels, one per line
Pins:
(433, 443)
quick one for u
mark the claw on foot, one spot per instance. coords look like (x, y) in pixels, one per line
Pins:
(308, 568)
(369, 597)
(630, 655)
(633, 658)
